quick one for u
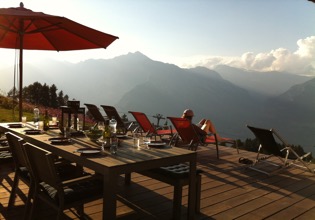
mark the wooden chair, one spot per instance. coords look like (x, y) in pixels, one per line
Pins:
(5, 152)
(20, 170)
(186, 131)
(49, 188)
(112, 112)
(147, 126)
(269, 145)
(65, 169)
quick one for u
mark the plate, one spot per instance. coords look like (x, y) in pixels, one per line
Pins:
(60, 140)
(53, 127)
(156, 144)
(89, 151)
(16, 125)
(32, 131)
(76, 133)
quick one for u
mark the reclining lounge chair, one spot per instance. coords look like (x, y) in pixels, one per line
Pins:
(147, 127)
(112, 112)
(190, 137)
(95, 112)
(283, 152)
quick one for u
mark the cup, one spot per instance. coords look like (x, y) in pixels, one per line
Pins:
(136, 140)
(54, 120)
(41, 125)
(146, 140)
(23, 121)
(101, 125)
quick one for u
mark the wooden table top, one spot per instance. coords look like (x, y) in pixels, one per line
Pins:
(127, 156)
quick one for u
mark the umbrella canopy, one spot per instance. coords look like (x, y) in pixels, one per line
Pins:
(21, 28)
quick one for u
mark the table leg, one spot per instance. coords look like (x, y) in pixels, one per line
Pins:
(109, 199)
(192, 189)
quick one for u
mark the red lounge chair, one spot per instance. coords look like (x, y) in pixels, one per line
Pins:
(189, 136)
(148, 128)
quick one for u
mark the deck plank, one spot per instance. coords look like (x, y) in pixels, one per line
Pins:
(229, 191)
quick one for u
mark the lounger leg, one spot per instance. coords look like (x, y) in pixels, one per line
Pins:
(217, 148)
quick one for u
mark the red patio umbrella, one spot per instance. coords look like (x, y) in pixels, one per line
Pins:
(21, 28)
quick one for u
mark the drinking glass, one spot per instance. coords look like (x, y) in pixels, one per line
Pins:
(136, 140)
(54, 120)
(113, 145)
(146, 140)
(101, 125)
(41, 125)
(23, 121)
(66, 132)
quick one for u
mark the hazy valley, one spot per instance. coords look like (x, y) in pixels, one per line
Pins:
(230, 97)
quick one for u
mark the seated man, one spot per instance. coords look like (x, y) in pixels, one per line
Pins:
(204, 127)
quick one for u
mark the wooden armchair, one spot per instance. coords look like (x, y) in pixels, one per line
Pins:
(49, 188)
(20, 169)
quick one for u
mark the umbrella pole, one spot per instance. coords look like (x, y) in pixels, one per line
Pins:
(21, 73)
(21, 85)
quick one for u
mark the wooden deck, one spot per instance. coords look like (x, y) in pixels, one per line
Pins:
(229, 191)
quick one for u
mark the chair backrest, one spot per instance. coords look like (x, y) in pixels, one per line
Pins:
(16, 149)
(41, 165)
(112, 112)
(185, 130)
(267, 140)
(95, 112)
(143, 122)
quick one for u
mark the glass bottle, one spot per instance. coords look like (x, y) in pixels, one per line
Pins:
(106, 134)
(113, 125)
(36, 115)
(46, 121)
(113, 144)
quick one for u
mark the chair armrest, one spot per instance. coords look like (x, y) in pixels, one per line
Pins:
(81, 179)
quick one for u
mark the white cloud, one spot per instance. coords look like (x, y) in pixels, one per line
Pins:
(302, 61)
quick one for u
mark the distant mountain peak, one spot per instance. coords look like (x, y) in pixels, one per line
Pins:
(134, 55)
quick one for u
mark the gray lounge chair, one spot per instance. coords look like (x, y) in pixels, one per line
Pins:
(271, 148)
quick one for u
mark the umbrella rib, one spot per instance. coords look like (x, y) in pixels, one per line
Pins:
(44, 29)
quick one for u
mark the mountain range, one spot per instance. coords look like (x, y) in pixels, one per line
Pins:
(230, 97)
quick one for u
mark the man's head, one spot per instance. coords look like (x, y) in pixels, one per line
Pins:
(188, 113)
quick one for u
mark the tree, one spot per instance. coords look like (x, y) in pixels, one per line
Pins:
(60, 99)
(53, 96)
(35, 93)
(44, 96)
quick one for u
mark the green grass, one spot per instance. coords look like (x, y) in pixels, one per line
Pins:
(7, 115)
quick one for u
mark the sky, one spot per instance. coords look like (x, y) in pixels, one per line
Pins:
(260, 35)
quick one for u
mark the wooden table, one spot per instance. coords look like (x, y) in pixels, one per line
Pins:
(127, 160)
